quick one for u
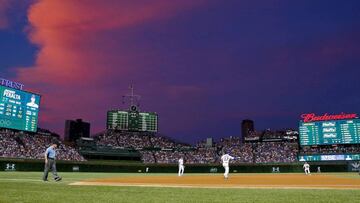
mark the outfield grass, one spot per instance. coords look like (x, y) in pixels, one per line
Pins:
(28, 187)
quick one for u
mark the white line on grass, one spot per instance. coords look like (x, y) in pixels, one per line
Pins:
(319, 187)
(32, 180)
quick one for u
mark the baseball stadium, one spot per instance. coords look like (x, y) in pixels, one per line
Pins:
(179, 101)
(130, 161)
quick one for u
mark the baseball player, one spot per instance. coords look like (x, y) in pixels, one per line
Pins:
(306, 168)
(181, 167)
(225, 159)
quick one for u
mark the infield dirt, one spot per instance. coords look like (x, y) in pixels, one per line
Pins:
(285, 181)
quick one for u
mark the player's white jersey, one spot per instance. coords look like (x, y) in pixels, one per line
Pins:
(181, 162)
(306, 166)
(226, 159)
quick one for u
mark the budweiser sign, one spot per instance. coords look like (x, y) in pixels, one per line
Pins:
(311, 117)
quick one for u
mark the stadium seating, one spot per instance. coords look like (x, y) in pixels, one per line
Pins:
(160, 149)
(14, 144)
(330, 149)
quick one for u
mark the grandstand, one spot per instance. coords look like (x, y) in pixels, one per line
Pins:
(147, 147)
(151, 148)
(27, 145)
(155, 148)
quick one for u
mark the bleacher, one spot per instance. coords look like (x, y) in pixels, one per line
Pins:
(25, 145)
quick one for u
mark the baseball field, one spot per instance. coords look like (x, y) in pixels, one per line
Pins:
(123, 187)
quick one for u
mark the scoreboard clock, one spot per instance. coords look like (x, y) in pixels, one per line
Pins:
(134, 119)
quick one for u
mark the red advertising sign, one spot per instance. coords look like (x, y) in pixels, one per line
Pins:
(311, 117)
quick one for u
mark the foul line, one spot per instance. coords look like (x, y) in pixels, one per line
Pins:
(320, 187)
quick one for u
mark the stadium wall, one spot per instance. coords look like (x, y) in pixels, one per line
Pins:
(62, 166)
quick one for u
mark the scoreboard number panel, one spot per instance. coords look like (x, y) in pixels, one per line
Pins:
(18, 109)
(149, 122)
(330, 132)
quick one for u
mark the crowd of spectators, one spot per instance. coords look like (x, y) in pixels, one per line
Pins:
(330, 149)
(159, 149)
(124, 140)
(243, 153)
(166, 143)
(136, 140)
(8, 146)
(259, 152)
(256, 152)
(193, 156)
(147, 156)
(203, 156)
(233, 146)
(15, 144)
(167, 156)
(283, 152)
(269, 152)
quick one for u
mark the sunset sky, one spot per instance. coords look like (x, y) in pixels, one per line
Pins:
(202, 65)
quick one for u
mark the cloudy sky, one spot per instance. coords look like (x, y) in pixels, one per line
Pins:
(202, 65)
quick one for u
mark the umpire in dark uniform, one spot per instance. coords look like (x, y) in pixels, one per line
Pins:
(50, 155)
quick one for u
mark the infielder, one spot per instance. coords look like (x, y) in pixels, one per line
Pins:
(181, 167)
(306, 168)
(225, 159)
(50, 155)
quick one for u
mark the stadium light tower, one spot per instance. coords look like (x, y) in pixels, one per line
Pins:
(134, 98)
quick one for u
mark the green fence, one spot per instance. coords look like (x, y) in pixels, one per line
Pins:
(89, 166)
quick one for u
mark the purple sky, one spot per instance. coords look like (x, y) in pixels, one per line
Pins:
(203, 65)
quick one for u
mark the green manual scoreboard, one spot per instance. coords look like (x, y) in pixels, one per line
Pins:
(18, 109)
(132, 120)
(330, 132)
(148, 122)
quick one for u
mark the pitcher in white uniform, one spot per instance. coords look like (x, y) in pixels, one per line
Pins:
(225, 159)
(181, 167)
